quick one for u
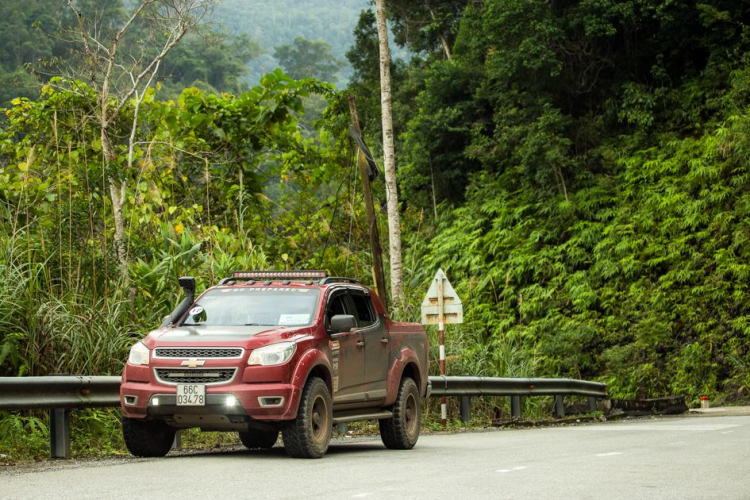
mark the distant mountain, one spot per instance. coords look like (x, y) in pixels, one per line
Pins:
(278, 22)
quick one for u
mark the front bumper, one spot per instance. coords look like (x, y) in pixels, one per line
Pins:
(263, 402)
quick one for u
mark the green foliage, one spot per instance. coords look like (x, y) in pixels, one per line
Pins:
(424, 26)
(193, 206)
(22, 436)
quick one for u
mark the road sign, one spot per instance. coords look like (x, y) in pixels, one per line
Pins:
(441, 305)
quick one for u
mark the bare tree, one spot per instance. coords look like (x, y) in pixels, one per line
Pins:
(394, 222)
(120, 76)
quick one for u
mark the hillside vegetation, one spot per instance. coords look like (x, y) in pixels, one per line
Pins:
(580, 170)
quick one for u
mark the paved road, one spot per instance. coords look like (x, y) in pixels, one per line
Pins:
(699, 457)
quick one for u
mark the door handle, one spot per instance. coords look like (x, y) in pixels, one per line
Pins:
(384, 340)
(360, 343)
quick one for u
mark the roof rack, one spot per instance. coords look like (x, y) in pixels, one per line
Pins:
(337, 279)
(270, 275)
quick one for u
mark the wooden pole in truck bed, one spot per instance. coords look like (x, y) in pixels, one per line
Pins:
(377, 251)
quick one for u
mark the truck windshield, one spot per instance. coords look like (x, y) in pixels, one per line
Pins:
(267, 306)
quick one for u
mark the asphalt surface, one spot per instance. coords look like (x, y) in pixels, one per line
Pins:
(690, 457)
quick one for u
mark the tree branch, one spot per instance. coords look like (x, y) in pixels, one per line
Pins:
(151, 68)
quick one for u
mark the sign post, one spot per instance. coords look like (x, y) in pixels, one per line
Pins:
(442, 306)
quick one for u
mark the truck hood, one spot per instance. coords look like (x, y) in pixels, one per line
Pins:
(251, 336)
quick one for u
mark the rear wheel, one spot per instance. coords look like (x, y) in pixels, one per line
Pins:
(255, 440)
(147, 439)
(308, 435)
(401, 431)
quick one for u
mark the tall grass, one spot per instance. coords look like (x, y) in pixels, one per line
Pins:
(84, 321)
(49, 328)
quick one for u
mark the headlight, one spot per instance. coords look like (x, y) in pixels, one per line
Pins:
(138, 354)
(273, 354)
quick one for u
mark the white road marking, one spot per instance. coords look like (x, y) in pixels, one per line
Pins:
(609, 454)
(361, 495)
(651, 427)
(503, 471)
(727, 432)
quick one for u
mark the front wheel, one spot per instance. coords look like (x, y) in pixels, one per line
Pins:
(308, 435)
(401, 431)
(263, 440)
(147, 439)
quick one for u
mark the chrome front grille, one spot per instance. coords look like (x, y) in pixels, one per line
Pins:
(198, 352)
(195, 376)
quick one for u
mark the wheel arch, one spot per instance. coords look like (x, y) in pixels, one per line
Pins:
(321, 371)
(411, 370)
(407, 364)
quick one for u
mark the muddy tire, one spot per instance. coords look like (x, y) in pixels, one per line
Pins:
(308, 435)
(147, 439)
(402, 430)
(259, 440)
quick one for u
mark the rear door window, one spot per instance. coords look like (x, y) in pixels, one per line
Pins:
(363, 309)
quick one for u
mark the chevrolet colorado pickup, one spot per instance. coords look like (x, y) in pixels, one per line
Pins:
(269, 352)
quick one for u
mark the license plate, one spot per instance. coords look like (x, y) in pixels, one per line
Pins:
(191, 395)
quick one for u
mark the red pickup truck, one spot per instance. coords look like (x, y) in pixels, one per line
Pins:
(265, 352)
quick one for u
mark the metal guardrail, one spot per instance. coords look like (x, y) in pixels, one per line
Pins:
(468, 387)
(58, 392)
(61, 394)
(492, 386)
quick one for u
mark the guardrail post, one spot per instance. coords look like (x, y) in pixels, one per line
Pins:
(59, 433)
(465, 409)
(559, 411)
(515, 407)
(591, 404)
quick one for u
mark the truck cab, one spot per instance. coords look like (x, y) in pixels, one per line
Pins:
(265, 353)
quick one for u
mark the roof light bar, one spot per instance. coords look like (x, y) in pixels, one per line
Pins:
(280, 274)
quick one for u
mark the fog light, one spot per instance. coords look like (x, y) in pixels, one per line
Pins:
(271, 401)
(155, 401)
(230, 401)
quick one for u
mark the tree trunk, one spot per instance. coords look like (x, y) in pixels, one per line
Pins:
(117, 195)
(377, 252)
(443, 41)
(394, 224)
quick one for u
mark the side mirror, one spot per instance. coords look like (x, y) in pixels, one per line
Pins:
(342, 323)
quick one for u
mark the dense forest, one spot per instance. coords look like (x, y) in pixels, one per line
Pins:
(579, 168)
(232, 50)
